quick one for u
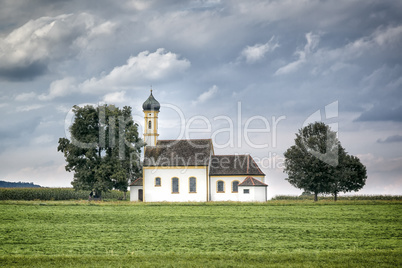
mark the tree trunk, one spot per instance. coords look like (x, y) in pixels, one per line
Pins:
(335, 196)
(124, 195)
(315, 196)
(98, 195)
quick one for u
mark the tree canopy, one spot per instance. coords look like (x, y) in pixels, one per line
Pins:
(318, 163)
(104, 149)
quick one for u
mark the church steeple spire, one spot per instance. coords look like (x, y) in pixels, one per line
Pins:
(151, 104)
(151, 110)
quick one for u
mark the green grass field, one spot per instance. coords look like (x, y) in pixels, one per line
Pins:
(276, 233)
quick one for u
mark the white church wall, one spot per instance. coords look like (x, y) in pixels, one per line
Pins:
(229, 195)
(134, 193)
(163, 192)
(255, 194)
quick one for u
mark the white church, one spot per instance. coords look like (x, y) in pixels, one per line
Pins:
(189, 170)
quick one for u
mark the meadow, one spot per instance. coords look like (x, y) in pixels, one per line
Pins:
(277, 233)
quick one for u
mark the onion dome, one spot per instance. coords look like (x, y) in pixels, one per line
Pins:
(151, 104)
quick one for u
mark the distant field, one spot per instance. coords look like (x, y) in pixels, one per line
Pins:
(277, 233)
(53, 194)
(342, 197)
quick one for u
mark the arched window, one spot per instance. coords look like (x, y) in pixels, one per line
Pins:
(235, 186)
(175, 185)
(149, 125)
(157, 181)
(192, 184)
(220, 186)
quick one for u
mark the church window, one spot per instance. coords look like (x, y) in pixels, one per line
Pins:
(192, 184)
(149, 125)
(157, 181)
(175, 185)
(246, 191)
(220, 186)
(235, 186)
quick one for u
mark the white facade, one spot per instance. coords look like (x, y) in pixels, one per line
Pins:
(228, 194)
(252, 193)
(206, 189)
(135, 193)
(157, 187)
(163, 192)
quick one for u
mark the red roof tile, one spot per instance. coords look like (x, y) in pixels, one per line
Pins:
(250, 181)
(137, 182)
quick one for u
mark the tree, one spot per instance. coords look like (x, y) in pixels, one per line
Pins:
(351, 175)
(104, 148)
(308, 162)
(318, 163)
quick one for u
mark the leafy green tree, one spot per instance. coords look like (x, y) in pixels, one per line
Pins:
(351, 175)
(318, 163)
(308, 162)
(104, 148)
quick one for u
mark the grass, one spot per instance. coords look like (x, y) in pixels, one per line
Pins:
(276, 233)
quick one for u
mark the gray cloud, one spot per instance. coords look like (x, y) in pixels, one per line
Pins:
(380, 113)
(391, 139)
(24, 72)
(27, 51)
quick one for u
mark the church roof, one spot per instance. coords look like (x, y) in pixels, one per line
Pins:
(250, 181)
(194, 152)
(222, 165)
(151, 104)
(137, 182)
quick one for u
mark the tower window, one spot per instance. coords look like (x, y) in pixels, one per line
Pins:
(149, 125)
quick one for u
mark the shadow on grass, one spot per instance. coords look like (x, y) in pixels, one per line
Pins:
(368, 258)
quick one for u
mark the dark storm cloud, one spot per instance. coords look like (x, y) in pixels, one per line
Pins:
(391, 139)
(382, 113)
(28, 51)
(22, 73)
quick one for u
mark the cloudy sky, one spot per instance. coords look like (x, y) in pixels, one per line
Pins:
(217, 67)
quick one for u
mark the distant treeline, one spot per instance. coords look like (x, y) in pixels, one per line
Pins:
(351, 197)
(52, 194)
(7, 184)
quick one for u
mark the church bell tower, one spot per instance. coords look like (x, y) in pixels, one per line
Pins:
(151, 110)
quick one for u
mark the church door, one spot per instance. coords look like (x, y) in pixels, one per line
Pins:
(140, 195)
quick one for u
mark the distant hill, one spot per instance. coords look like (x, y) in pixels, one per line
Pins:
(7, 184)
